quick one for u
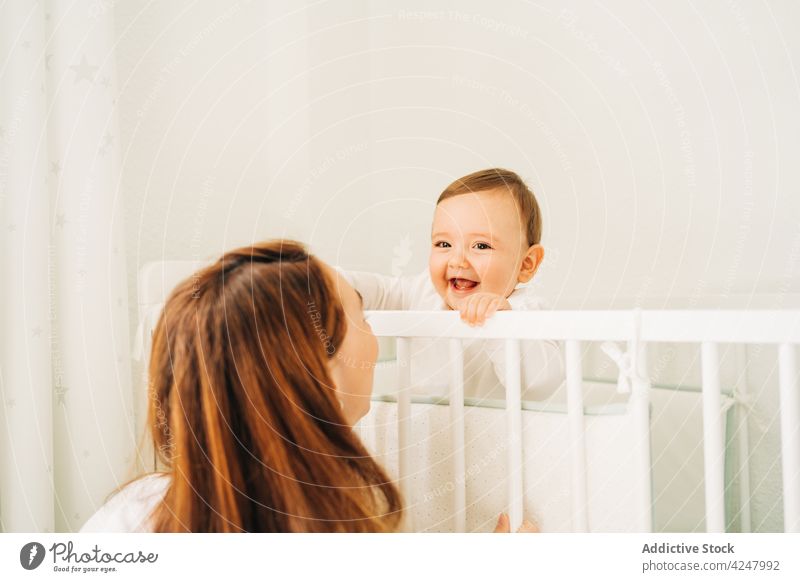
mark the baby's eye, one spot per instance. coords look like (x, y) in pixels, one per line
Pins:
(442, 244)
(481, 246)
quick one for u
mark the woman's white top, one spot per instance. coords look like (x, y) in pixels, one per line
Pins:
(129, 510)
(484, 360)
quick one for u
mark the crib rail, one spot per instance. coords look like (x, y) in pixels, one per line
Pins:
(636, 328)
(767, 326)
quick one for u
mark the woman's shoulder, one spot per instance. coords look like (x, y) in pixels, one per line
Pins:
(129, 509)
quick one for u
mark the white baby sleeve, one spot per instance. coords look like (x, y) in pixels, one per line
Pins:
(379, 292)
(542, 362)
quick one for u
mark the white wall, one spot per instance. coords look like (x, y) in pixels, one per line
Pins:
(660, 138)
(661, 141)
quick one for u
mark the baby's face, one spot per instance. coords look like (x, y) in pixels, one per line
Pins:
(477, 245)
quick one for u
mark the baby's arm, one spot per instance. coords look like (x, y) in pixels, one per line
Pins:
(379, 292)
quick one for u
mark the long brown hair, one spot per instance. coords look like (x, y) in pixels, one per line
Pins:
(243, 411)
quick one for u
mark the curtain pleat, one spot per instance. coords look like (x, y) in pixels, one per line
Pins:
(68, 432)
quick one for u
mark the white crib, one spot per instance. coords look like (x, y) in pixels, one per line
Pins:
(630, 474)
(600, 455)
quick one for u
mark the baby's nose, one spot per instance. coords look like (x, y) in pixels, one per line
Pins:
(458, 259)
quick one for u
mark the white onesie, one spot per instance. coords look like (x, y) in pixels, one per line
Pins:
(484, 363)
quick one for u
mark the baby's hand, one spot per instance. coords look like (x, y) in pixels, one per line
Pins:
(476, 308)
(503, 526)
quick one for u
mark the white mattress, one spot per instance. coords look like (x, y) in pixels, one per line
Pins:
(676, 445)
(611, 468)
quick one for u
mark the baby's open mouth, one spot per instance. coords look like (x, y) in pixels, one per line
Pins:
(462, 284)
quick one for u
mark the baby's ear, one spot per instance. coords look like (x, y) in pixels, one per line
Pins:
(530, 262)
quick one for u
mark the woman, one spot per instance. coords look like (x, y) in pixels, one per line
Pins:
(261, 364)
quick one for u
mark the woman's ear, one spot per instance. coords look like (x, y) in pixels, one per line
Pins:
(530, 263)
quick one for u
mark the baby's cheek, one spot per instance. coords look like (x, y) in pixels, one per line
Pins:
(440, 285)
(498, 279)
(437, 266)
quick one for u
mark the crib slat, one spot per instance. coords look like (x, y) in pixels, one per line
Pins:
(457, 435)
(580, 517)
(713, 440)
(639, 404)
(743, 437)
(514, 421)
(404, 422)
(790, 436)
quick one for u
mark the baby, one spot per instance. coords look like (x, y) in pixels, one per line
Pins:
(484, 242)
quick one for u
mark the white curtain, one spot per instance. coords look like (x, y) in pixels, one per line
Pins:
(66, 428)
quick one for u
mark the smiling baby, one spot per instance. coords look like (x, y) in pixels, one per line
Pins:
(485, 245)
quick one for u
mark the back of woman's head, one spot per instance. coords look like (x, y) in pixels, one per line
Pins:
(243, 411)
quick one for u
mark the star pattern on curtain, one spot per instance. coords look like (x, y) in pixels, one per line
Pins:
(84, 71)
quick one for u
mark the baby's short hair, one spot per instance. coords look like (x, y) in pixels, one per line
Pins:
(497, 178)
